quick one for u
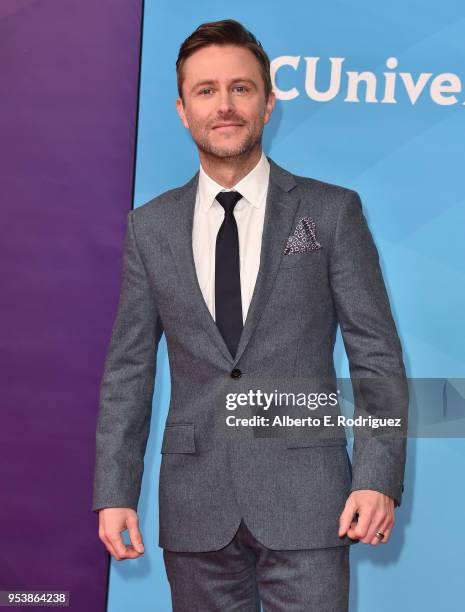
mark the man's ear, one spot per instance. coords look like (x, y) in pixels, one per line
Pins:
(269, 106)
(181, 113)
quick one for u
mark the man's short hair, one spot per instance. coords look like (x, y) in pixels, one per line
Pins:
(224, 32)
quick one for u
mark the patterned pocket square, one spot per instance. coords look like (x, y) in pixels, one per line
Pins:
(303, 239)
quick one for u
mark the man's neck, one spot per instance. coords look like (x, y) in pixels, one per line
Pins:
(227, 171)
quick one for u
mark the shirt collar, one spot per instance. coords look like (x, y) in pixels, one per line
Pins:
(252, 186)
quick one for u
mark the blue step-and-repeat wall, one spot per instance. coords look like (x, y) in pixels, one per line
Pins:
(397, 138)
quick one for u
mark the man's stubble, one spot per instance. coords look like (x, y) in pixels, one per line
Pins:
(251, 139)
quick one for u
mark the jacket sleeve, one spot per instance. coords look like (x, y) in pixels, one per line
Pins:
(127, 385)
(373, 349)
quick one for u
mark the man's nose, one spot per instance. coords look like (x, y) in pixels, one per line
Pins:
(225, 102)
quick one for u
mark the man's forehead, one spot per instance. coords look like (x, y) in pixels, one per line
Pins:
(219, 59)
(214, 50)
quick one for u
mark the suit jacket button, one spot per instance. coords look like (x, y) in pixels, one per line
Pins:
(236, 373)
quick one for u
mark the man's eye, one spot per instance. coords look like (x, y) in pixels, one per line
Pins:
(243, 88)
(206, 89)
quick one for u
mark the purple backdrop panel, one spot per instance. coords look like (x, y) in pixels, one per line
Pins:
(68, 107)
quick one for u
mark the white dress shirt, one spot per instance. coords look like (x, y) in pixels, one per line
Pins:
(249, 213)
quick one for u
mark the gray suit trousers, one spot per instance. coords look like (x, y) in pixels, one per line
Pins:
(244, 573)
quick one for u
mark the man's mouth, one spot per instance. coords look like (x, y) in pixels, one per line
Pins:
(226, 126)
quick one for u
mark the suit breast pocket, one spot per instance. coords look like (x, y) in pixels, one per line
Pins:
(310, 259)
(179, 438)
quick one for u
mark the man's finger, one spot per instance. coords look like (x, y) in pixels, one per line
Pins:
(135, 535)
(378, 522)
(119, 546)
(359, 531)
(346, 518)
(109, 547)
(131, 552)
(386, 528)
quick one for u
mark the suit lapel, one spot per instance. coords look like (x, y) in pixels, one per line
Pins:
(280, 211)
(181, 246)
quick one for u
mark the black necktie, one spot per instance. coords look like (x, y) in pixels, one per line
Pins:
(228, 302)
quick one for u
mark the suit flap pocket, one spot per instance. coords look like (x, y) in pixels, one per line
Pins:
(178, 438)
(316, 442)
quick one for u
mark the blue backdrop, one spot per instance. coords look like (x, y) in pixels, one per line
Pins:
(397, 140)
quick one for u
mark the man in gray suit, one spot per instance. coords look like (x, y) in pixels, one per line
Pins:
(248, 270)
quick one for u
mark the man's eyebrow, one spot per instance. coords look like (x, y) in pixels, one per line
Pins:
(235, 80)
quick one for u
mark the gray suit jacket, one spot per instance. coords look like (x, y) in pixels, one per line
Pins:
(289, 489)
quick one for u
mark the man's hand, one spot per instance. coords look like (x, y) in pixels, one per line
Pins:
(112, 522)
(375, 513)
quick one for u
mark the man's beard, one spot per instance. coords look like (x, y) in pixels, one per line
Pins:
(225, 151)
